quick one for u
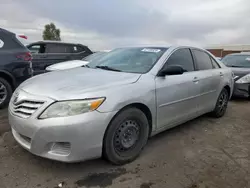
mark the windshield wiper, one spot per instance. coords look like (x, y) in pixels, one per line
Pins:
(108, 68)
(235, 66)
(86, 66)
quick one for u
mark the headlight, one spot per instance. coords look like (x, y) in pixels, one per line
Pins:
(71, 108)
(245, 79)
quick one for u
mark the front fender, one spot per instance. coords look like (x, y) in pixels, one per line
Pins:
(142, 92)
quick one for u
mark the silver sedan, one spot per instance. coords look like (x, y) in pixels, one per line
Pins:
(113, 105)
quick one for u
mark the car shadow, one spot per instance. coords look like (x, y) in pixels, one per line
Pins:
(240, 99)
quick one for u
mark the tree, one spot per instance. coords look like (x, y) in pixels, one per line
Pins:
(51, 32)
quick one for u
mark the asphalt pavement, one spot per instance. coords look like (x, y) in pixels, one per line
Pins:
(203, 153)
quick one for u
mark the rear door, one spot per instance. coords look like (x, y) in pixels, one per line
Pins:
(177, 95)
(57, 53)
(210, 77)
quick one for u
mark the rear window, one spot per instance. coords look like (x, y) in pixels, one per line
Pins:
(9, 41)
(58, 48)
(237, 61)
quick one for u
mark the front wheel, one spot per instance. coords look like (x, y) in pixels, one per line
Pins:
(221, 104)
(126, 136)
(5, 93)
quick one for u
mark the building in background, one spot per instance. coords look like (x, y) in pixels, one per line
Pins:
(221, 51)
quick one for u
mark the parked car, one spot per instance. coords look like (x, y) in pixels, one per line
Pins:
(240, 65)
(46, 53)
(15, 65)
(113, 106)
(76, 63)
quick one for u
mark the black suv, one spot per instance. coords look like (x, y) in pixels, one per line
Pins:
(46, 53)
(15, 65)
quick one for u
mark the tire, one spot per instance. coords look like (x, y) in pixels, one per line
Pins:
(117, 148)
(5, 86)
(221, 104)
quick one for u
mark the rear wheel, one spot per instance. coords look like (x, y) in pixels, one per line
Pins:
(126, 136)
(221, 104)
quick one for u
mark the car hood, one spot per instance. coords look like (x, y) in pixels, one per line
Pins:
(66, 65)
(240, 71)
(75, 83)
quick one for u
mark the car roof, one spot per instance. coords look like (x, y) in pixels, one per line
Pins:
(164, 46)
(55, 42)
(6, 31)
(238, 54)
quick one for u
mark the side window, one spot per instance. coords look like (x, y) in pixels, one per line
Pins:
(202, 59)
(79, 49)
(37, 48)
(58, 48)
(34, 48)
(183, 58)
(75, 49)
(215, 64)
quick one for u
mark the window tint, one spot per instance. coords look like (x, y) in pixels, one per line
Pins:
(9, 41)
(35, 49)
(59, 48)
(202, 59)
(77, 49)
(183, 58)
(215, 64)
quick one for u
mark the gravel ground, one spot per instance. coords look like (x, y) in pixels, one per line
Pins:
(203, 153)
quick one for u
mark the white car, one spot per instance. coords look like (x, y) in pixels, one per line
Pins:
(75, 63)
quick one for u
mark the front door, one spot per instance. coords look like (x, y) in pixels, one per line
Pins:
(177, 95)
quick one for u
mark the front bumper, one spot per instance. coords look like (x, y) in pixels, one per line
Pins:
(241, 90)
(69, 139)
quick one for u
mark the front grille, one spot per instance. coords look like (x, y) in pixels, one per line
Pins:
(26, 108)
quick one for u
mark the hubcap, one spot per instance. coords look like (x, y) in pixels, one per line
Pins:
(3, 93)
(223, 101)
(126, 136)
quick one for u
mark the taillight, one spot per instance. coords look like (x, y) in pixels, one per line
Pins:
(25, 56)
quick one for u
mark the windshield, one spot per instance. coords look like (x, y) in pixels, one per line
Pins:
(94, 56)
(133, 60)
(237, 61)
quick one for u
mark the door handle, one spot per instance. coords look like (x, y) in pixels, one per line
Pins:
(195, 80)
(221, 74)
(44, 56)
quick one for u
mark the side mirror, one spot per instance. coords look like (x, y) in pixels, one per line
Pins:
(171, 70)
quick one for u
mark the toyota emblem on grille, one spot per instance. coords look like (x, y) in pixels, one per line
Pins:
(15, 101)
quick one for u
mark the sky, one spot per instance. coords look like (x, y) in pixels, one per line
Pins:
(107, 24)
